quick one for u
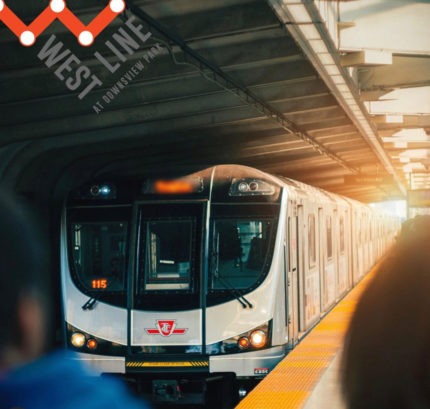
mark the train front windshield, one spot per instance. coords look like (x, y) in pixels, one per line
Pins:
(169, 253)
(167, 257)
(239, 251)
(99, 254)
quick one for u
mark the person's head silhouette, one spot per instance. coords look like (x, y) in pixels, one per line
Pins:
(386, 361)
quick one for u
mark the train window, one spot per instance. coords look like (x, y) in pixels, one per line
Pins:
(342, 235)
(312, 241)
(167, 247)
(239, 250)
(329, 238)
(99, 254)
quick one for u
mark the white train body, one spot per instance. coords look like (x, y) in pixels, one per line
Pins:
(221, 272)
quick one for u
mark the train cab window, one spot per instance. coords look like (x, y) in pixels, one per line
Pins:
(329, 238)
(312, 241)
(167, 248)
(239, 251)
(99, 255)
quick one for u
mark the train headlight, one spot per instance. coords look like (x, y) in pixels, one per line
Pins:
(92, 344)
(77, 340)
(242, 187)
(105, 190)
(252, 187)
(258, 338)
(95, 191)
(243, 343)
(100, 190)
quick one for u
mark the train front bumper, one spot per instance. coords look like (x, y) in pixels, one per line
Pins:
(248, 364)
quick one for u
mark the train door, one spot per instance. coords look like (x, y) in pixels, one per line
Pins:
(352, 235)
(292, 280)
(300, 235)
(322, 261)
(335, 251)
(344, 267)
(311, 269)
(167, 294)
(365, 243)
(380, 238)
(359, 252)
(371, 242)
(328, 257)
(348, 240)
(368, 243)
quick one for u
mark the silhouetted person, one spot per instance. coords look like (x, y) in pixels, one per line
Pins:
(386, 361)
(29, 379)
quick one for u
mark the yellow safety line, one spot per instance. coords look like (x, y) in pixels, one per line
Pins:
(291, 383)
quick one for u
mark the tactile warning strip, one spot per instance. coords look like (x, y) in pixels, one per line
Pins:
(290, 384)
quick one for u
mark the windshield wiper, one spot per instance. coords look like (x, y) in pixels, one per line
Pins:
(238, 295)
(89, 305)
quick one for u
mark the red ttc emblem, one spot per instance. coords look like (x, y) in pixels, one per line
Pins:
(166, 328)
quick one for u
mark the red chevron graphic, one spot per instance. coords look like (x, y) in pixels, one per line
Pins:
(57, 9)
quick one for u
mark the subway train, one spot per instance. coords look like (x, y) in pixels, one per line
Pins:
(182, 283)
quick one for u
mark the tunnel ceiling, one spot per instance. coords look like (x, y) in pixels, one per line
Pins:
(217, 81)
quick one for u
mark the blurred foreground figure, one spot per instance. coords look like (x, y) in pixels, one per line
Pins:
(386, 362)
(29, 379)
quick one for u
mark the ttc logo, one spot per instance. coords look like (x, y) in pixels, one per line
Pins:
(166, 328)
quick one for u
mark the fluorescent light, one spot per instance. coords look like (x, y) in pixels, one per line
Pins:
(368, 129)
(350, 100)
(417, 153)
(332, 70)
(393, 119)
(318, 46)
(412, 166)
(326, 59)
(343, 87)
(413, 135)
(310, 31)
(299, 13)
(349, 95)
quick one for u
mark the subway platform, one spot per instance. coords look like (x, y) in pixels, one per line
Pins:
(308, 377)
